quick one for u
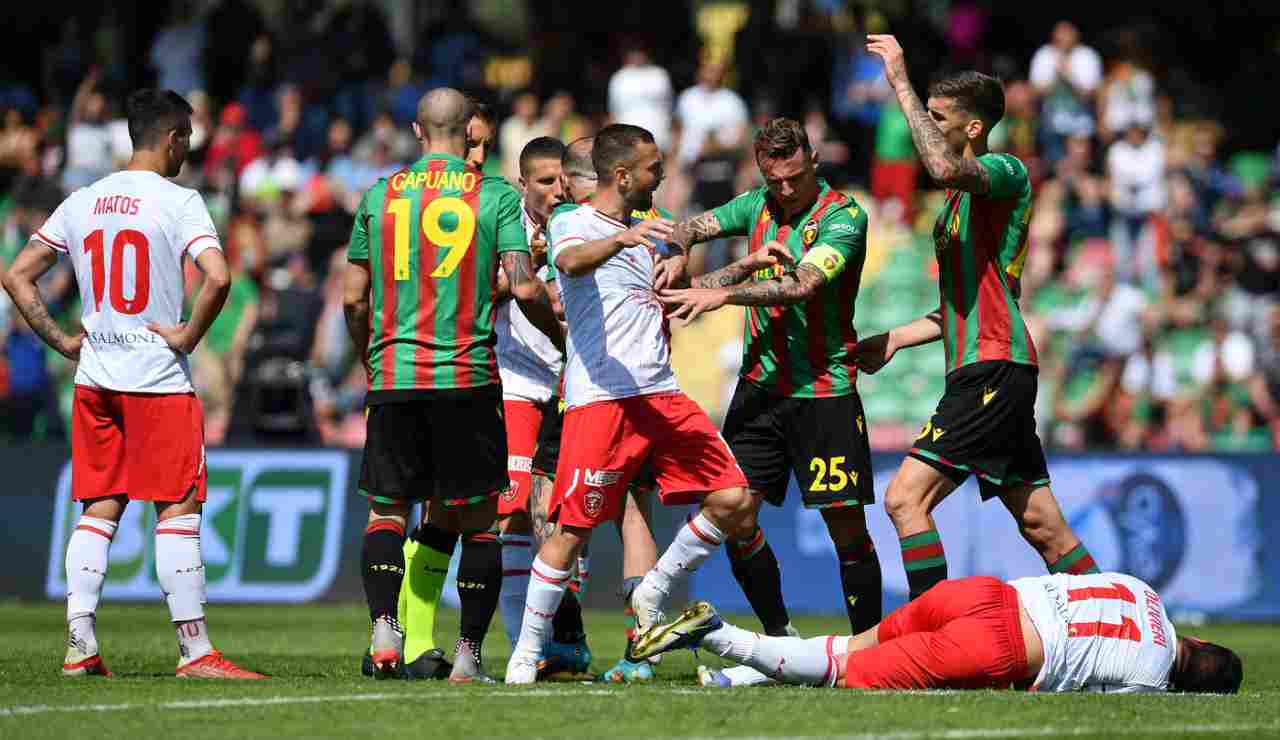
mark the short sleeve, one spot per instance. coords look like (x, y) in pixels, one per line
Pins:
(195, 227)
(54, 231)
(550, 270)
(358, 244)
(564, 231)
(1006, 174)
(511, 236)
(841, 239)
(737, 216)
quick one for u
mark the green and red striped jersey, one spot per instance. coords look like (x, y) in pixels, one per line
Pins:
(805, 350)
(431, 234)
(981, 245)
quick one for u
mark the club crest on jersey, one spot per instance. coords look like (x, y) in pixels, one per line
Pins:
(809, 233)
(593, 502)
(511, 491)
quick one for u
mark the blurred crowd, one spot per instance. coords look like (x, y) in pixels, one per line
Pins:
(1151, 286)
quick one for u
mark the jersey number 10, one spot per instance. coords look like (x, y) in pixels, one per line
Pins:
(95, 247)
(457, 241)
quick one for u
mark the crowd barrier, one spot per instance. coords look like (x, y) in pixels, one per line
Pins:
(285, 525)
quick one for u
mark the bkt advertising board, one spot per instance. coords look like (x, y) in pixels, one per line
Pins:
(1193, 527)
(271, 530)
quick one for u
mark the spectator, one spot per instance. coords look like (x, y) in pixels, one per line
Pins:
(522, 127)
(90, 145)
(561, 120)
(1136, 170)
(178, 50)
(233, 148)
(640, 94)
(218, 362)
(894, 167)
(1066, 74)
(713, 126)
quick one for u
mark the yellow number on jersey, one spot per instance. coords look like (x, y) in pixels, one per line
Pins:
(399, 209)
(457, 242)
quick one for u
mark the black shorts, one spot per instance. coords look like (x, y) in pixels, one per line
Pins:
(985, 425)
(822, 440)
(448, 444)
(547, 455)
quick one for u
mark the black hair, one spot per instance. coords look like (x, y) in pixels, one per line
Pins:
(614, 145)
(543, 147)
(1206, 668)
(976, 93)
(153, 113)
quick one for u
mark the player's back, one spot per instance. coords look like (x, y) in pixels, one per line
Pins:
(432, 234)
(126, 236)
(1101, 632)
(617, 344)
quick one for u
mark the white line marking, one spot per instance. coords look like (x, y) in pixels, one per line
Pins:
(1014, 732)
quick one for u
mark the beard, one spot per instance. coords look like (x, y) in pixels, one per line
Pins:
(639, 199)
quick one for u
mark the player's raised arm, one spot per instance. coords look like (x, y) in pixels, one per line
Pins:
(213, 294)
(946, 165)
(20, 282)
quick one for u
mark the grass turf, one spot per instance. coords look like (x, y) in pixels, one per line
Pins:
(312, 652)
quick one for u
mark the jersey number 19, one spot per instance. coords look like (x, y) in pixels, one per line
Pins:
(457, 240)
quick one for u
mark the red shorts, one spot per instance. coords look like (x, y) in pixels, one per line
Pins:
(961, 634)
(605, 443)
(149, 446)
(523, 420)
(895, 180)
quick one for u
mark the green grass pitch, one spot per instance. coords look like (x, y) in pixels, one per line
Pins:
(312, 653)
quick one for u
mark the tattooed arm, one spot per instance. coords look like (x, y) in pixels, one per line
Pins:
(531, 294)
(944, 166)
(701, 228)
(20, 281)
(789, 289)
(773, 253)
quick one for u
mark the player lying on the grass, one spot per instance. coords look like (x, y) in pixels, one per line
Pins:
(137, 429)
(1104, 632)
(625, 407)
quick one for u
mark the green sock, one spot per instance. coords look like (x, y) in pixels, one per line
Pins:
(1078, 562)
(425, 571)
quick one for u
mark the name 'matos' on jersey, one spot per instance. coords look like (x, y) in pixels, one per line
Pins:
(528, 362)
(126, 235)
(804, 350)
(981, 245)
(618, 344)
(431, 234)
(1101, 632)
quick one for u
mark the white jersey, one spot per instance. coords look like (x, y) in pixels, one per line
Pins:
(617, 344)
(528, 363)
(126, 235)
(1101, 632)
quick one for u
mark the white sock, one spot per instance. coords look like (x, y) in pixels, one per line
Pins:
(86, 565)
(181, 574)
(193, 640)
(583, 574)
(696, 541)
(546, 589)
(744, 675)
(788, 659)
(517, 558)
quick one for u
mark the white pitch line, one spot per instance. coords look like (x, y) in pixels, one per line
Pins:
(28, 709)
(1015, 732)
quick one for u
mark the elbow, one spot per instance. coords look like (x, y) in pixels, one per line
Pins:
(569, 267)
(527, 291)
(219, 282)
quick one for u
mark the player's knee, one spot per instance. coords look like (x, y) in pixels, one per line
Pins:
(902, 504)
(1043, 530)
(733, 510)
(847, 525)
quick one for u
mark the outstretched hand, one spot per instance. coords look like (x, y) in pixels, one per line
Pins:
(873, 353)
(670, 272)
(648, 233)
(771, 254)
(889, 50)
(690, 303)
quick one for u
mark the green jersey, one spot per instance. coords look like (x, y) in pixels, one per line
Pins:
(981, 244)
(431, 234)
(805, 350)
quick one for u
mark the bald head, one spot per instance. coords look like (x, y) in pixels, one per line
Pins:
(443, 114)
(577, 158)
